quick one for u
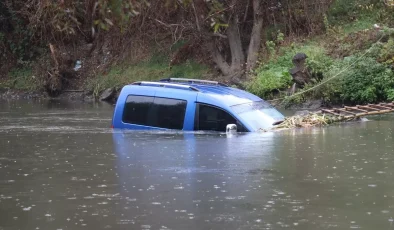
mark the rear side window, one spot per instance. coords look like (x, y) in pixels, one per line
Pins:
(136, 110)
(214, 119)
(156, 112)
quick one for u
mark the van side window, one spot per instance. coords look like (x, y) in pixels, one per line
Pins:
(167, 113)
(155, 112)
(214, 119)
(136, 109)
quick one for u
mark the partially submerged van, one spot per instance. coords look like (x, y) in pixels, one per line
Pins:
(191, 105)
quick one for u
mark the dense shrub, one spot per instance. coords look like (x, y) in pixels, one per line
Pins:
(349, 10)
(270, 81)
(353, 80)
(368, 81)
(387, 53)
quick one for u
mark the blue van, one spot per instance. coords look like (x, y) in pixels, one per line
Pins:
(191, 105)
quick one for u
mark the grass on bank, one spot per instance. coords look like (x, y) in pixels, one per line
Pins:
(155, 69)
(21, 79)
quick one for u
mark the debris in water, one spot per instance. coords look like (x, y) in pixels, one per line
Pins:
(306, 121)
(27, 209)
(78, 65)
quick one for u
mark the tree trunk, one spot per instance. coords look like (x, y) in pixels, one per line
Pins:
(219, 59)
(234, 39)
(255, 38)
(237, 54)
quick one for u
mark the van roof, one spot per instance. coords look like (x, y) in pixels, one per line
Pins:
(226, 94)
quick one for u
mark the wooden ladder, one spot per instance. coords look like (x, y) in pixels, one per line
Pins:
(349, 112)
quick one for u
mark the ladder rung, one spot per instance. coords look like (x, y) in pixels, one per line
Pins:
(381, 107)
(367, 107)
(387, 104)
(343, 110)
(353, 108)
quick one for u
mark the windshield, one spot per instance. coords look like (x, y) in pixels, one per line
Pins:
(259, 115)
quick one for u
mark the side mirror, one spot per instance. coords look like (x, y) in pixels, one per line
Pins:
(231, 128)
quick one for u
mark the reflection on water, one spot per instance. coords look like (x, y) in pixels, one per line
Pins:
(61, 167)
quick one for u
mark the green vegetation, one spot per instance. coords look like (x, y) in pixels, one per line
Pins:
(351, 63)
(155, 69)
(349, 59)
(354, 15)
(21, 79)
(274, 76)
(369, 81)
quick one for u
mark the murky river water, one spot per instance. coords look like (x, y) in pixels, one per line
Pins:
(61, 167)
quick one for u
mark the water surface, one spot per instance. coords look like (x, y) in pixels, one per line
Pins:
(61, 167)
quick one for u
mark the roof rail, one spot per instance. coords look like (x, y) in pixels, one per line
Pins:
(191, 81)
(166, 85)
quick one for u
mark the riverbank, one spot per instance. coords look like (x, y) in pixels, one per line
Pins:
(362, 66)
(83, 96)
(86, 96)
(349, 62)
(17, 94)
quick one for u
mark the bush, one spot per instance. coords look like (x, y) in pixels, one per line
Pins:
(349, 10)
(387, 53)
(269, 81)
(367, 82)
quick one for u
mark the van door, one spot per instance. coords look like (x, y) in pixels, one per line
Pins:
(212, 118)
(169, 104)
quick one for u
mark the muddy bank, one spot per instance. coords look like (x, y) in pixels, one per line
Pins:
(16, 94)
(71, 96)
(305, 107)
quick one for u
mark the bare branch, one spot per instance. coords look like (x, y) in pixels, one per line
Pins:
(215, 35)
(195, 14)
